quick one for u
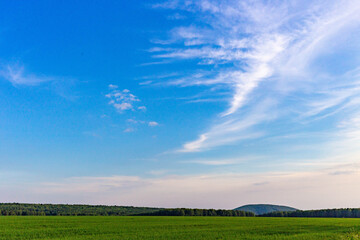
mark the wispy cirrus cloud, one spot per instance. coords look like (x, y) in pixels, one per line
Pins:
(262, 50)
(17, 75)
(233, 129)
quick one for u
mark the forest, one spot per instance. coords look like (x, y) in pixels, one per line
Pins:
(323, 213)
(21, 209)
(199, 212)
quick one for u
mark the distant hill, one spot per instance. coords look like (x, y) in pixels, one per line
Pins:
(260, 209)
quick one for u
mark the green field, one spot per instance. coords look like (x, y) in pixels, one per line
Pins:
(107, 228)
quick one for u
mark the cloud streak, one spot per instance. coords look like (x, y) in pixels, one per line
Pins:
(261, 50)
(17, 76)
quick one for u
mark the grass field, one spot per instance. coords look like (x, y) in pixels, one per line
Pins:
(107, 228)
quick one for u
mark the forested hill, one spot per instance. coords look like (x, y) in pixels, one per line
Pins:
(21, 209)
(324, 213)
(260, 209)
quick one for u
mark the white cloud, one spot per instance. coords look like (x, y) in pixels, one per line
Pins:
(123, 106)
(121, 100)
(134, 121)
(128, 130)
(150, 124)
(221, 161)
(158, 172)
(211, 162)
(112, 86)
(153, 124)
(176, 16)
(145, 83)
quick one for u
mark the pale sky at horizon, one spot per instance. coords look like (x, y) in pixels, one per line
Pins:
(180, 103)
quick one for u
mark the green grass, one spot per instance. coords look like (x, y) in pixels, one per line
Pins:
(107, 228)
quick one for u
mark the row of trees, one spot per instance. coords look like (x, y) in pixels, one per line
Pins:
(199, 212)
(19, 209)
(324, 213)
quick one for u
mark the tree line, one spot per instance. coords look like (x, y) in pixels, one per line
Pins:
(199, 212)
(323, 213)
(20, 209)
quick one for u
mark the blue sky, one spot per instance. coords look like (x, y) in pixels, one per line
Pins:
(202, 103)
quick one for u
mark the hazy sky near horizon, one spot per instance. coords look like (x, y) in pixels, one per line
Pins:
(182, 103)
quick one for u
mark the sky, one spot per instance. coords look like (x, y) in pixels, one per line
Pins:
(180, 103)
